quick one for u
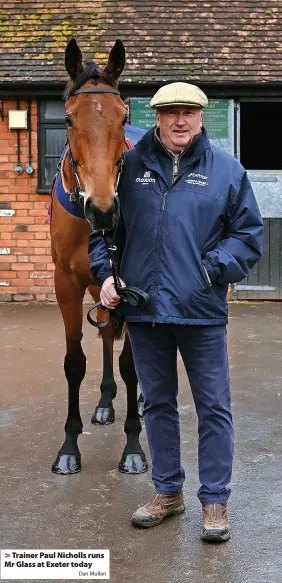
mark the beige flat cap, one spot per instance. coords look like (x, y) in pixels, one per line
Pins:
(179, 94)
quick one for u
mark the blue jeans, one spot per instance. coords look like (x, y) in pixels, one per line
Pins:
(204, 353)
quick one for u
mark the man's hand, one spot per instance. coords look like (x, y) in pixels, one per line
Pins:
(109, 297)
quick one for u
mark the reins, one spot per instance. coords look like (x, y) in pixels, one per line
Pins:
(129, 294)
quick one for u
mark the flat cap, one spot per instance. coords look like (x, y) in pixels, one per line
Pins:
(179, 94)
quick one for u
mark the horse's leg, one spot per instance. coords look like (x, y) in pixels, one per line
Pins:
(140, 405)
(104, 412)
(133, 460)
(70, 292)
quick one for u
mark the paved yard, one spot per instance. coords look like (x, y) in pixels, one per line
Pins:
(92, 509)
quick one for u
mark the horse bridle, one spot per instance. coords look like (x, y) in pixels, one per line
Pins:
(77, 195)
(128, 294)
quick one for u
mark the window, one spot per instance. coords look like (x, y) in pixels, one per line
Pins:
(52, 138)
(260, 131)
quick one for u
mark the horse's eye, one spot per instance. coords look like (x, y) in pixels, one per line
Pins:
(124, 120)
(68, 121)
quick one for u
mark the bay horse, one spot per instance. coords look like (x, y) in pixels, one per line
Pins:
(95, 115)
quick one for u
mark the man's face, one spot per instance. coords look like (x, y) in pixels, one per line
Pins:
(178, 125)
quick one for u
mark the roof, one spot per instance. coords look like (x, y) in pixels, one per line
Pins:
(214, 41)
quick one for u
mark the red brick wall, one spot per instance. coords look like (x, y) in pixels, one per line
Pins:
(26, 268)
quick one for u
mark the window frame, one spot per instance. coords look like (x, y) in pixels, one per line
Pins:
(42, 125)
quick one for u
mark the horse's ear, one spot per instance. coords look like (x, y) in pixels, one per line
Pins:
(73, 59)
(116, 62)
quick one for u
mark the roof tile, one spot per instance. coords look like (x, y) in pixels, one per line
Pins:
(216, 41)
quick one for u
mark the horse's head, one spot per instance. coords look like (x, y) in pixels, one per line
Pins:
(95, 115)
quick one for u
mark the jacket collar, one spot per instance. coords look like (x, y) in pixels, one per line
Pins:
(188, 150)
(148, 150)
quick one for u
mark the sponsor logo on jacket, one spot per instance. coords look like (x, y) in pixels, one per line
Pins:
(146, 178)
(199, 179)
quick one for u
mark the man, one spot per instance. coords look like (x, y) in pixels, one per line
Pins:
(191, 226)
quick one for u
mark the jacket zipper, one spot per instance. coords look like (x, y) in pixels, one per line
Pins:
(175, 168)
(157, 244)
(176, 176)
(208, 277)
(164, 201)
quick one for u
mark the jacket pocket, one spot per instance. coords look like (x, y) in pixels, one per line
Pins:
(202, 287)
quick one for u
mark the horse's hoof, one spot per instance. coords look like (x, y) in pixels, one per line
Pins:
(140, 405)
(103, 416)
(133, 463)
(67, 464)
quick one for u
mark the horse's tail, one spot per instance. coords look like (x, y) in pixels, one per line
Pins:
(118, 325)
(119, 329)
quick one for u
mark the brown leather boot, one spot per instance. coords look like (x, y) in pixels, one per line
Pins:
(215, 523)
(161, 506)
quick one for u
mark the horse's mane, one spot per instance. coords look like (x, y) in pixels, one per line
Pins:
(90, 73)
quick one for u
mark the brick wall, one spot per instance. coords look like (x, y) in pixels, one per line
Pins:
(26, 268)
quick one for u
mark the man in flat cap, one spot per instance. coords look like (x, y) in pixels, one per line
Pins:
(191, 226)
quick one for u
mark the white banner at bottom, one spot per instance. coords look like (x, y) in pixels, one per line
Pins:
(65, 564)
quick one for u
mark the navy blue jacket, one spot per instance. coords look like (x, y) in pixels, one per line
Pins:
(185, 242)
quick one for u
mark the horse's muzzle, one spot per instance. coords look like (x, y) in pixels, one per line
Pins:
(100, 220)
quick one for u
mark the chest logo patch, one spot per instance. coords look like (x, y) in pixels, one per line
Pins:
(198, 179)
(146, 178)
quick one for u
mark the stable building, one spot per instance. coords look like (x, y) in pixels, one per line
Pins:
(232, 50)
